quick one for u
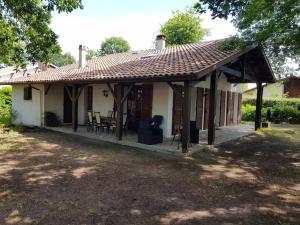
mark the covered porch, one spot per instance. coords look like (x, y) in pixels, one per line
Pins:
(169, 145)
(211, 99)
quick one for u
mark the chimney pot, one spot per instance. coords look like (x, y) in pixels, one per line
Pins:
(82, 56)
(160, 42)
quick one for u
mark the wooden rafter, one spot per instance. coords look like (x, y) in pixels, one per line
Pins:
(127, 92)
(112, 91)
(69, 93)
(47, 89)
(175, 89)
(236, 73)
(80, 90)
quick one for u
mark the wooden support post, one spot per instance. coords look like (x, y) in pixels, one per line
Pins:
(212, 108)
(186, 117)
(259, 96)
(74, 108)
(119, 125)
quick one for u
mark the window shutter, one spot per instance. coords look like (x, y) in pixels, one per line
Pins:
(206, 112)
(239, 108)
(146, 106)
(28, 93)
(177, 108)
(222, 108)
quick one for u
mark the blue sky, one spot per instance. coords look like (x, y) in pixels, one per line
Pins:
(138, 21)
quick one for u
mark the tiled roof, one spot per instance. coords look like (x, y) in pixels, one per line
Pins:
(171, 62)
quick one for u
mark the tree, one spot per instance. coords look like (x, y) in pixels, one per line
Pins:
(183, 28)
(25, 35)
(91, 54)
(114, 45)
(273, 24)
(60, 59)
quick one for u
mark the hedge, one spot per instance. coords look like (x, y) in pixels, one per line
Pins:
(275, 101)
(283, 109)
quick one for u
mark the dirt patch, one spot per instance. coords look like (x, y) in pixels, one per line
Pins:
(48, 178)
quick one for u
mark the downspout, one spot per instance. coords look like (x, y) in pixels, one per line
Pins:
(41, 108)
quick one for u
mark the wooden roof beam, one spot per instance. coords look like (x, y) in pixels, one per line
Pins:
(237, 74)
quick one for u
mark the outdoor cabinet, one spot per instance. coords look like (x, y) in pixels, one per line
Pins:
(194, 132)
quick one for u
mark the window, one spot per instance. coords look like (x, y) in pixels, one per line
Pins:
(27, 93)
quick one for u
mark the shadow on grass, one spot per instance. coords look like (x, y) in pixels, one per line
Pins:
(62, 179)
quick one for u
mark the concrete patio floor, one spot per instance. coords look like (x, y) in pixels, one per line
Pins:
(168, 146)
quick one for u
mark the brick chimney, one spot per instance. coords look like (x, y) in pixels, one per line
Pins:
(82, 56)
(160, 42)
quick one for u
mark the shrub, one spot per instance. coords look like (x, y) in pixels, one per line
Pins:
(6, 115)
(286, 113)
(283, 109)
(275, 101)
(248, 112)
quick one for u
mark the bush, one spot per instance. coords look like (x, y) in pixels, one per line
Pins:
(51, 119)
(286, 113)
(248, 112)
(6, 115)
(283, 109)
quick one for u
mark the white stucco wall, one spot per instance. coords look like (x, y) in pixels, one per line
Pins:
(218, 108)
(100, 103)
(163, 105)
(54, 101)
(28, 112)
(81, 108)
(270, 91)
(223, 84)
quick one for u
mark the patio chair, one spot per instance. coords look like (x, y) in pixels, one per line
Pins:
(110, 120)
(99, 124)
(150, 132)
(125, 125)
(110, 114)
(90, 122)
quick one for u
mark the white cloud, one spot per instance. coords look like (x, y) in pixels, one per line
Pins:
(139, 29)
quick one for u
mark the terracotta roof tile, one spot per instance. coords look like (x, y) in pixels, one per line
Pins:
(174, 61)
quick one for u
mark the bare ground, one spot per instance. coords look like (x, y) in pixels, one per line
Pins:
(49, 178)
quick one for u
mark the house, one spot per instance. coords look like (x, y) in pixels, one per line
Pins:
(193, 82)
(11, 72)
(287, 87)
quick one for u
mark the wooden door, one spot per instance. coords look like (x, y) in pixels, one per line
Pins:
(239, 114)
(146, 102)
(230, 107)
(199, 108)
(206, 109)
(67, 106)
(89, 98)
(177, 107)
(222, 109)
